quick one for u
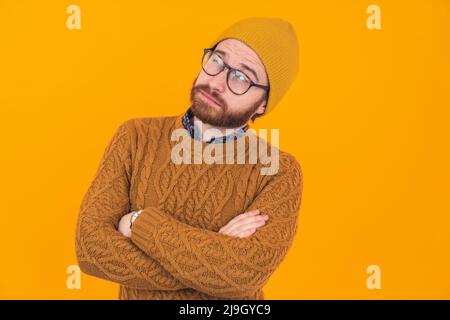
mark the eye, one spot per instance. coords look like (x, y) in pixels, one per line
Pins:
(241, 77)
(216, 59)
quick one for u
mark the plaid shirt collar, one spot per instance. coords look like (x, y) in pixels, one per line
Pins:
(195, 134)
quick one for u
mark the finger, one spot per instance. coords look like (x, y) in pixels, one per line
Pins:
(245, 223)
(246, 233)
(239, 217)
(244, 215)
(247, 226)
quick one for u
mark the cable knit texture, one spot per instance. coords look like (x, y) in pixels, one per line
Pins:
(176, 251)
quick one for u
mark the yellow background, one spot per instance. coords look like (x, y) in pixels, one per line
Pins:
(367, 118)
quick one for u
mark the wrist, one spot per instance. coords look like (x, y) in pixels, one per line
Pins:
(134, 216)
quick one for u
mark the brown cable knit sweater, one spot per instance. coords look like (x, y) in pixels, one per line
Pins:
(175, 251)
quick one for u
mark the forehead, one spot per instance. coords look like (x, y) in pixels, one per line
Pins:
(240, 52)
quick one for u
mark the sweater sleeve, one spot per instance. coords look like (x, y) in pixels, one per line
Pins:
(222, 265)
(101, 250)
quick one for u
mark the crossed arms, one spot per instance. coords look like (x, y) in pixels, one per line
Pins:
(166, 254)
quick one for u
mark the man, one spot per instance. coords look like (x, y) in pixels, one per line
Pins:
(169, 230)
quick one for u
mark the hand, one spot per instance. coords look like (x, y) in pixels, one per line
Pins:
(124, 225)
(245, 224)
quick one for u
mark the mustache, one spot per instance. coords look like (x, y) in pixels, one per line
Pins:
(211, 93)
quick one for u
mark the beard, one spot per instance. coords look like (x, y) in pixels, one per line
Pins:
(219, 116)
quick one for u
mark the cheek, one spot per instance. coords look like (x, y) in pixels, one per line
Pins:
(254, 95)
(235, 103)
(241, 103)
(203, 79)
(198, 80)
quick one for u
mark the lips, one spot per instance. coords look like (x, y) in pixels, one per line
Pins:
(209, 98)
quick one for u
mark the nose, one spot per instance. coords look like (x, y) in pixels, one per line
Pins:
(219, 82)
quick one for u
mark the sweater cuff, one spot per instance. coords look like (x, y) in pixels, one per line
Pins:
(144, 232)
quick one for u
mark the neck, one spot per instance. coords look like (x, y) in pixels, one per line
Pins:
(207, 134)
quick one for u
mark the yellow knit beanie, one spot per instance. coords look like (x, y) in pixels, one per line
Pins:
(275, 42)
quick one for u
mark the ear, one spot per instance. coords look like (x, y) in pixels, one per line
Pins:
(262, 108)
(258, 113)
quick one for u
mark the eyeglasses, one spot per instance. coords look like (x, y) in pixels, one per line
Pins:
(237, 81)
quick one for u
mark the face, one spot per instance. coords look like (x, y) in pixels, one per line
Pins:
(211, 99)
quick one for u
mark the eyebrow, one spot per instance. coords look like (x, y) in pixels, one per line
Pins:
(243, 65)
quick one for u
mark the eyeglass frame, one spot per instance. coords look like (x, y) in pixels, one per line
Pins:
(230, 68)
